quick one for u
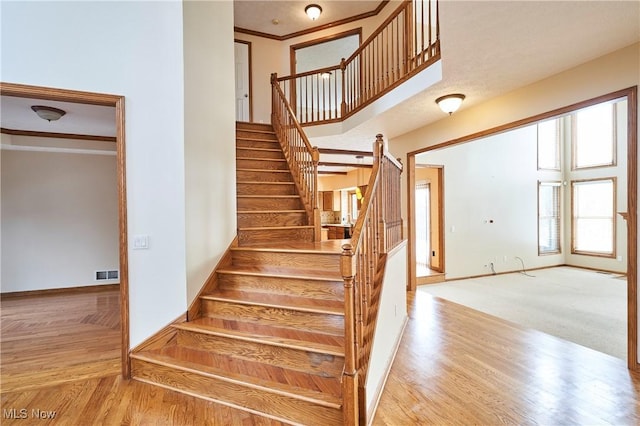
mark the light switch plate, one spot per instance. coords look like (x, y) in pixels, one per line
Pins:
(140, 242)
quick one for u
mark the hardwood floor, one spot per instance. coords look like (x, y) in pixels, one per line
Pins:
(59, 337)
(454, 366)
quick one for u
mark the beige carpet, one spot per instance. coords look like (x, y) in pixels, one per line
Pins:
(585, 307)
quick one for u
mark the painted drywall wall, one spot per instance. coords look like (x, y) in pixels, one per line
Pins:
(59, 219)
(132, 49)
(392, 316)
(209, 117)
(490, 196)
(269, 56)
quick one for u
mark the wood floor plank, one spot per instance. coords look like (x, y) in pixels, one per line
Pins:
(455, 366)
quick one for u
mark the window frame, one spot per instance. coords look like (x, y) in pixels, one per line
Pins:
(557, 184)
(611, 255)
(614, 138)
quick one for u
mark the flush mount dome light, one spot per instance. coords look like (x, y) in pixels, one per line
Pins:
(48, 113)
(313, 11)
(450, 103)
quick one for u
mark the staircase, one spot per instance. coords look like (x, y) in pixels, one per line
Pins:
(268, 333)
(269, 207)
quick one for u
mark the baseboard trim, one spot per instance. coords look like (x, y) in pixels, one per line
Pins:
(59, 291)
(534, 269)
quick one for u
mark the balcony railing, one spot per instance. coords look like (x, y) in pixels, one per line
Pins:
(407, 42)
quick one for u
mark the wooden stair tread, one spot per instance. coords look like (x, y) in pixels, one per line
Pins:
(269, 211)
(325, 247)
(268, 196)
(279, 160)
(273, 228)
(259, 149)
(268, 334)
(319, 390)
(282, 301)
(263, 170)
(275, 271)
(259, 182)
(309, 341)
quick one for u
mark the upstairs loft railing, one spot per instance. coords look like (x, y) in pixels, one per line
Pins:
(407, 42)
(301, 157)
(377, 231)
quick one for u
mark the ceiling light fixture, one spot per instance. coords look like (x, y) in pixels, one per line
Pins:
(48, 113)
(313, 11)
(450, 103)
(325, 75)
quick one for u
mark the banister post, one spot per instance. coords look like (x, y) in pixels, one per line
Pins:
(381, 148)
(317, 221)
(350, 374)
(274, 81)
(343, 105)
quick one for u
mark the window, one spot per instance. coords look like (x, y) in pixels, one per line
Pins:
(593, 206)
(549, 145)
(594, 136)
(548, 217)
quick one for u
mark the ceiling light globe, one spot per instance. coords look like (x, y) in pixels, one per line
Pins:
(313, 11)
(450, 103)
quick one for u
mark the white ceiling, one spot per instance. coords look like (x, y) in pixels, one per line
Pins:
(488, 48)
(259, 15)
(492, 47)
(79, 119)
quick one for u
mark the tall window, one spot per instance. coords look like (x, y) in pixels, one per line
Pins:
(593, 205)
(549, 217)
(549, 144)
(594, 141)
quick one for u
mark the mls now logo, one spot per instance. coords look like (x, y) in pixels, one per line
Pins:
(14, 413)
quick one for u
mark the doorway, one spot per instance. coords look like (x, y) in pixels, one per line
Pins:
(242, 55)
(487, 229)
(72, 96)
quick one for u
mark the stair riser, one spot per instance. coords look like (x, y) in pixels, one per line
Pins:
(246, 220)
(269, 203)
(266, 189)
(329, 290)
(263, 176)
(258, 153)
(243, 125)
(274, 235)
(324, 365)
(317, 261)
(240, 395)
(243, 163)
(257, 143)
(310, 321)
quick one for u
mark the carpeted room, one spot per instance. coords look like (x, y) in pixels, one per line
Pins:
(509, 206)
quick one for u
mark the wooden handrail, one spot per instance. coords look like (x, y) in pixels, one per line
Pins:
(378, 230)
(397, 50)
(301, 157)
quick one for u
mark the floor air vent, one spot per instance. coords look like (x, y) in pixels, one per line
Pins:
(107, 275)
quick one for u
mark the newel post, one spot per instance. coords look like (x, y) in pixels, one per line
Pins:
(383, 193)
(343, 105)
(350, 375)
(274, 105)
(317, 221)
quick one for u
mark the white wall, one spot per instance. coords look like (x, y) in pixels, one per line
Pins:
(209, 117)
(132, 49)
(392, 315)
(490, 204)
(59, 219)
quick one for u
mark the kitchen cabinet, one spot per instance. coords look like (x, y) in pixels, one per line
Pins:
(327, 201)
(339, 232)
